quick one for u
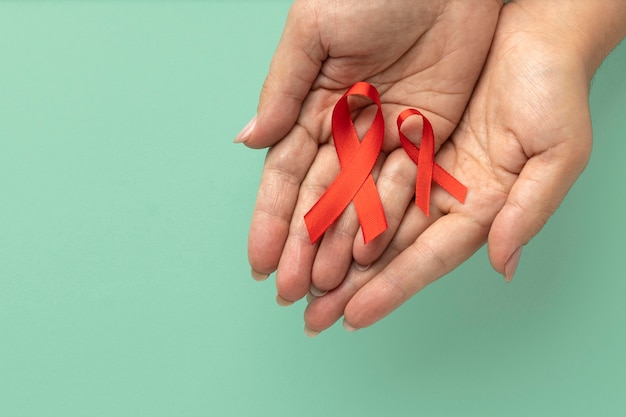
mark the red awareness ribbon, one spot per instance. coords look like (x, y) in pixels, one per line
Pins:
(427, 169)
(354, 182)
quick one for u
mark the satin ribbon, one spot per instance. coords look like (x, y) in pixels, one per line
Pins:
(354, 182)
(427, 169)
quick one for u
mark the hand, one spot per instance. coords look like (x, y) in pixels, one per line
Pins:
(523, 141)
(425, 54)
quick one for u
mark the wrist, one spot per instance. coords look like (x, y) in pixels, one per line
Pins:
(588, 30)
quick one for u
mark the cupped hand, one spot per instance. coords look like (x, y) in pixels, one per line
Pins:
(425, 54)
(522, 142)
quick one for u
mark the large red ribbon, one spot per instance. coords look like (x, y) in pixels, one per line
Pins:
(427, 169)
(354, 182)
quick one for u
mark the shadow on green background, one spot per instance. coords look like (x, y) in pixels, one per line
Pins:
(124, 207)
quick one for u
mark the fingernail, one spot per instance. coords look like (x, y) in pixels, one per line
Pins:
(246, 131)
(257, 276)
(310, 332)
(282, 302)
(348, 326)
(362, 268)
(511, 265)
(310, 297)
(316, 291)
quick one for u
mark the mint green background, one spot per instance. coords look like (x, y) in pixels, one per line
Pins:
(124, 207)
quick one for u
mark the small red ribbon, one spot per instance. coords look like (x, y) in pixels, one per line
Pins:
(427, 169)
(354, 182)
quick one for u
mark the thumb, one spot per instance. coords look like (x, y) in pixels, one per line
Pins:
(536, 194)
(295, 65)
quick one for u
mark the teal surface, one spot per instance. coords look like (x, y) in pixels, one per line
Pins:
(124, 208)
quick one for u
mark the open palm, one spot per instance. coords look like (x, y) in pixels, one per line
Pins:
(425, 54)
(524, 139)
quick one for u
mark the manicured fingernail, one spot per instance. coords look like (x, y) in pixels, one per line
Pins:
(310, 332)
(511, 265)
(282, 302)
(246, 131)
(257, 276)
(362, 268)
(348, 326)
(316, 291)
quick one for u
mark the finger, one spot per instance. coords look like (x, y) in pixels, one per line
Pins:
(295, 65)
(334, 256)
(285, 167)
(396, 186)
(438, 250)
(293, 277)
(536, 194)
(335, 250)
(322, 312)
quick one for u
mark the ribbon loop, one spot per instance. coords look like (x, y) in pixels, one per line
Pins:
(354, 182)
(427, 170)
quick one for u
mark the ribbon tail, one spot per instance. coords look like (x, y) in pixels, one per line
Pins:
(370, 210)
(449, 183)
(324, 213)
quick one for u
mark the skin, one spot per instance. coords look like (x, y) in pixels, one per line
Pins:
(523, 141)
(417, 53)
